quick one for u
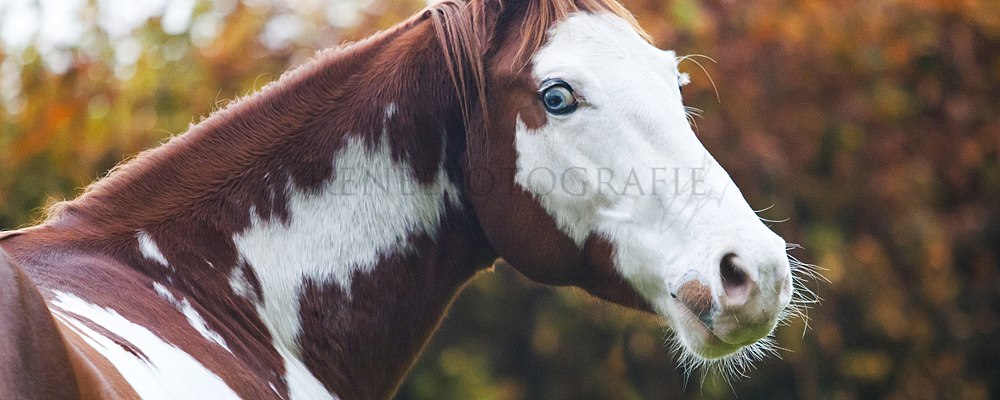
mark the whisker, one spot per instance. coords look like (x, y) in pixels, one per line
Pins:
(764, 209)
(693, 123)
(771, 220)
(694, 111)
(690, 113)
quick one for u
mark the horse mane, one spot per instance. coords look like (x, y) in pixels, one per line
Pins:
(467, 33)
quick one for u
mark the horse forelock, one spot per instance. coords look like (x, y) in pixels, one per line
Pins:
(467, 32)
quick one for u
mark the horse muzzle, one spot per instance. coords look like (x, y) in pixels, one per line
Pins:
(735, 306)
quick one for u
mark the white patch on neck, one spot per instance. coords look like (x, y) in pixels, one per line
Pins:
(169, 373)
(149, 248)
(193, 317)
(369, 211)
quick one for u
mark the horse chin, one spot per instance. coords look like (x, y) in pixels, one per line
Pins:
(696, 339)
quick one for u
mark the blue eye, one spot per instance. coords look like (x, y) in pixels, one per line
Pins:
(557, 97)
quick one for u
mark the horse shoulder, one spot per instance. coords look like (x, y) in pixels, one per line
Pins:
(34, 362)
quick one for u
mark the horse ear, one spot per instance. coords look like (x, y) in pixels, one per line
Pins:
(493, 4)
(488, 18)
(499, 13)
(503, 9)
(503, 3)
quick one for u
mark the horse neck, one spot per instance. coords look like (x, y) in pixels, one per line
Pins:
(319, 210)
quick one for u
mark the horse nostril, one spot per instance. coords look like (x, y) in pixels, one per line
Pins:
(735, 280)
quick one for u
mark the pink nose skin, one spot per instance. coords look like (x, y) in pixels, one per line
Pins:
(695, 293)
(737, 311)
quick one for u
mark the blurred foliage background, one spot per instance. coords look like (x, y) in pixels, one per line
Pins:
(873, 127)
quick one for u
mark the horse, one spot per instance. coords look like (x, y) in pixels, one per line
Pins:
(305, 241)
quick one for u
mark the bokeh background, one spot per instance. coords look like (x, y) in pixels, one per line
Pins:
(871, 126)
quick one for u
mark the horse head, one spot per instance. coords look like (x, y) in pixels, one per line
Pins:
(583, 170)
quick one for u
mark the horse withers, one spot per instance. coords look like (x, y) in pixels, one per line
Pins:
(304, 242)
